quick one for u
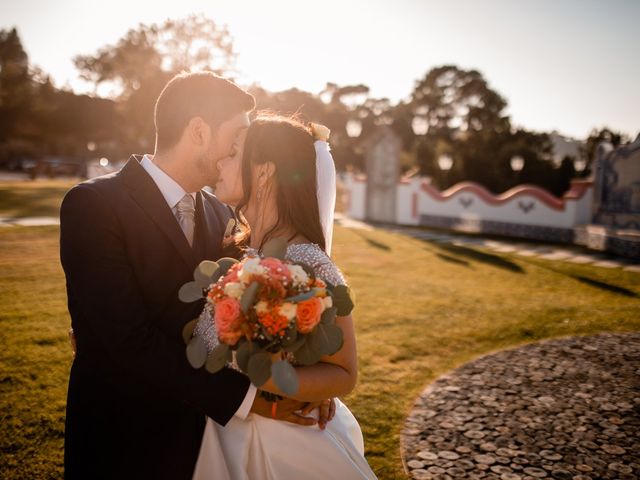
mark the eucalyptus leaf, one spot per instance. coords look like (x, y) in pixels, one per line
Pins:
(343, 300)
(197, 352)
(249, 297)
(190, 292)
(301, 297)
(218, 358)
(276, 248)
(225, 264)
(305, 355)
(204, 272)
(290, 335)
(259, 368)
(292, 341)
(294, 346)
(326, 339)
(187, 330)
(285, 377)
(329, 316)
(244, 351)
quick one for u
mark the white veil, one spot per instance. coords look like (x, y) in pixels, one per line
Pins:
(326, 190)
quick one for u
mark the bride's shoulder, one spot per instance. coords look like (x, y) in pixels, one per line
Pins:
(315, 257)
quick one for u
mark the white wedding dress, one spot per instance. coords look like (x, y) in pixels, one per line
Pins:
(260, 448)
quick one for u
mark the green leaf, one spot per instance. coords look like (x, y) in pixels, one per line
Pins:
(343, 300)
(326, 339)
(190, 292)
(294, 346)
(329, 316)
(276, 248)
(197, 352)
(285, 377)
(187, 330)
(248, 298)
(218, 358)
(305, 355)
(301, 297)
(259, 368)
(204, 272)
(292, 341)
(245, 350)
(225, 264)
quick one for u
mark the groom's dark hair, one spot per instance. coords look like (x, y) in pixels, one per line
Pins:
(199, 94)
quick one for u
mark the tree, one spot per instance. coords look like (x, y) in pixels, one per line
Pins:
(595, 138)
(16, 88)
(141, 63)
(466, 120)
(452, 99)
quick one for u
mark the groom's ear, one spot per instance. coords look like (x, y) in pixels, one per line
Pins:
(198, 132)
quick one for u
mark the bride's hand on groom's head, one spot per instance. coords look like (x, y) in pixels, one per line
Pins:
(286, 409)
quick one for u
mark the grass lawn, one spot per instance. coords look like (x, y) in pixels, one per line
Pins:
(37, 198)
(423, 309)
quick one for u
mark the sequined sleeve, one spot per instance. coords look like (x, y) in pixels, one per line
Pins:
(312, 255)
(206, 328)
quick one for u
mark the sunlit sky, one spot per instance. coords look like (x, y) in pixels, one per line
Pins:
(568, 65)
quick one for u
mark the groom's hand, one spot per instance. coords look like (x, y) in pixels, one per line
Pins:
(287, 409)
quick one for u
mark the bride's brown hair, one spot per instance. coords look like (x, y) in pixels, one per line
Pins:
(288, 144)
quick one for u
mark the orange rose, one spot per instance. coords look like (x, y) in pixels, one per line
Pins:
(228, 318)
(308, 314)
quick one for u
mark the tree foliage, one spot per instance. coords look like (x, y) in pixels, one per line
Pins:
(464, 116)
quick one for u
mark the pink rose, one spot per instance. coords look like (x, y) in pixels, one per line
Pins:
(228, 318)
(232, 274)
(276, 268)
(308, 314)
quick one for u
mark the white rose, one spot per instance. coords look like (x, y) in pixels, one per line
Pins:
(250, 267)
(234, 289)
(288, 310)
(328, 302)
(298, 275)
(262, 307)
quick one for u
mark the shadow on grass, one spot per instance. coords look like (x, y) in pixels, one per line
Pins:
(592, 282)
(372, 242)
(448, 258)
(604, 286)
(477, 256)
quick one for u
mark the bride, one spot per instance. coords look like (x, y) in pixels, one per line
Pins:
(283, 184)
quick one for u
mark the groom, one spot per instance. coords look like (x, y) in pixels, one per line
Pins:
(129, 240)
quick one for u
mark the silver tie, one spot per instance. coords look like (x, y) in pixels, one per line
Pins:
(186, 215)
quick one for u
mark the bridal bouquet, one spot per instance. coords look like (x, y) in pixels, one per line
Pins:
(268, 311)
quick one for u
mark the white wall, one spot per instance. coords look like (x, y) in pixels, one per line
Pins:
(416, 197)
(355, 188)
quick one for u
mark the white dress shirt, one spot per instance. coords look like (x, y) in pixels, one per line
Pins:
(173, 193)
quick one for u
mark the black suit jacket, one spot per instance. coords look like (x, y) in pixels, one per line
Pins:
(135, 407)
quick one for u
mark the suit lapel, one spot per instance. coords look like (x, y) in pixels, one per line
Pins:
(145, 192)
